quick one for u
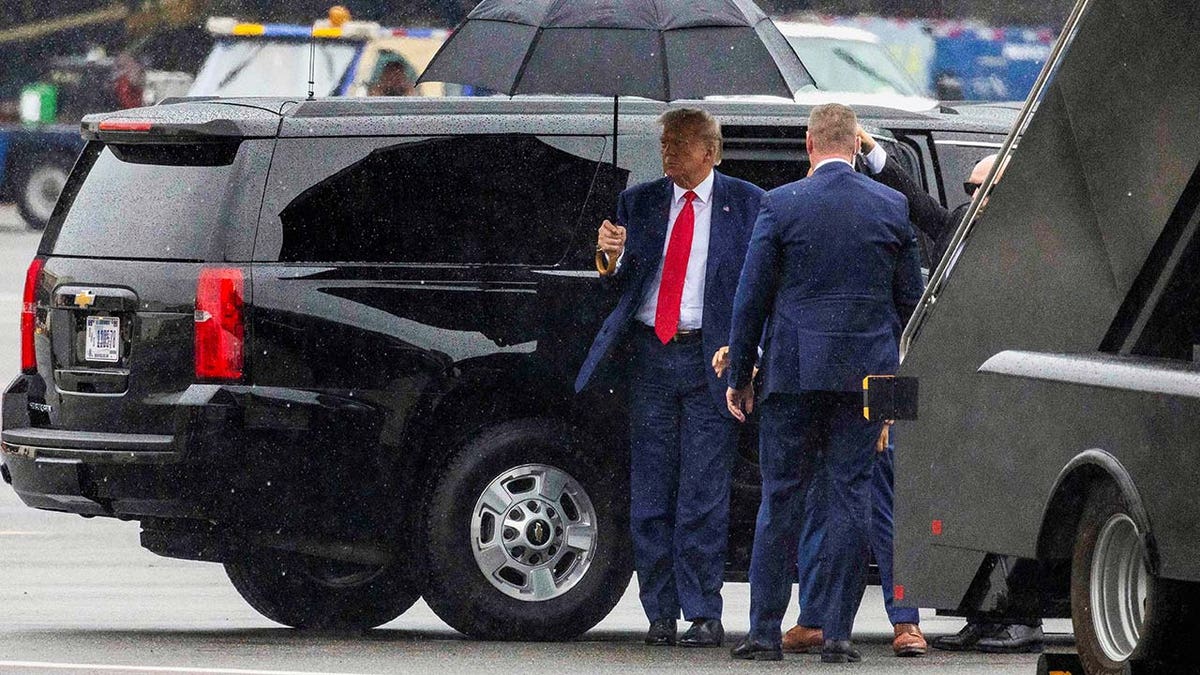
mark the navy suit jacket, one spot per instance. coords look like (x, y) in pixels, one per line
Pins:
(834, 263)
(643, 211)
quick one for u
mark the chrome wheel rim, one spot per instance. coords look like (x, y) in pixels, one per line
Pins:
(42, 190)
(1120, 583)
(533, 532)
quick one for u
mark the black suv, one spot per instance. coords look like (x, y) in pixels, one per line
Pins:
(330, 344)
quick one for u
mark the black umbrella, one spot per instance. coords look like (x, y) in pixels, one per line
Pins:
(657, 49)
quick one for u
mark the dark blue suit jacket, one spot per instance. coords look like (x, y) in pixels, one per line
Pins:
(643, 210)
(834, 263)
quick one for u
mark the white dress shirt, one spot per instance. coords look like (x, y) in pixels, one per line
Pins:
(691, 308)
(831, 160)
(876, 158)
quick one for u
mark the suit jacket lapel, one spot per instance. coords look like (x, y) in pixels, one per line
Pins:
(718, 231)
(661, 214)
(657, 241)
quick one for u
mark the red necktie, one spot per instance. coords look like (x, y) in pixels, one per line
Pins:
(670, 292)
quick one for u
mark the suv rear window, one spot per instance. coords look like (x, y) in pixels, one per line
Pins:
(147, 201)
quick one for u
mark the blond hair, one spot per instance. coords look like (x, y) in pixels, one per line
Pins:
(833, 128)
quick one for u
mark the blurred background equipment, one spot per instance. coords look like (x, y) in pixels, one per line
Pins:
(348, 58)
(66, 58)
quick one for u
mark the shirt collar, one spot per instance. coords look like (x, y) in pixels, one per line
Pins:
(703, 190)
(831, 160)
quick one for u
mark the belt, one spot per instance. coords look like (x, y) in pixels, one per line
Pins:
(680, 336)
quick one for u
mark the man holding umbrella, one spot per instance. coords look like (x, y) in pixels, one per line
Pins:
(679, 244)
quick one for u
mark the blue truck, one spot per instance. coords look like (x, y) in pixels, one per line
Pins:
(350, 58)
(34, 163)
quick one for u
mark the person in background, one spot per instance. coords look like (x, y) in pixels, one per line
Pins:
(393, 81)
(1018, 630)
(936, 221)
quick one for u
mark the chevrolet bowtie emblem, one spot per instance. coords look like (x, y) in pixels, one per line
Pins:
(85, 299)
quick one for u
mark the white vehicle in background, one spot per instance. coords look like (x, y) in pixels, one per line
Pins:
(850, 65)
(348, 58)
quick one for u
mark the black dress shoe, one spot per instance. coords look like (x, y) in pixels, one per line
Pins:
(1013, 639)
(703, 633)
(753, 650)
(839, 651)
(661, 633)
(966, 639)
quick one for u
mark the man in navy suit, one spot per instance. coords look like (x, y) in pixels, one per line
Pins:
(834, 264)
(678, 244)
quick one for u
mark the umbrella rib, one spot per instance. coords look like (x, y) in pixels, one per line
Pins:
(525, 61)
(662, 50)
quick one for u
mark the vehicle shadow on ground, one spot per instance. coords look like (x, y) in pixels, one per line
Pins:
(289, 636)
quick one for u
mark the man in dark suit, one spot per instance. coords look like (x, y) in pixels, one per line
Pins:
(1020, 629)
(936, 221)
(833, 263)
(678, 245)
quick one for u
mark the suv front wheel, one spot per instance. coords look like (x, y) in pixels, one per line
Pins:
(525, 540)
(303, 591)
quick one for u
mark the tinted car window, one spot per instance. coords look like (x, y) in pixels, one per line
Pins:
(767, 164)
(150, 201)
(957, 159)
(503, 199)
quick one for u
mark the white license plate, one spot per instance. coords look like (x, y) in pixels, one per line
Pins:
(103, 339)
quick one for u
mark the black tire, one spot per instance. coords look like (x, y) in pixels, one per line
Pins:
(38, 186)
(1167, 628)
(306, 592)
(465, 597)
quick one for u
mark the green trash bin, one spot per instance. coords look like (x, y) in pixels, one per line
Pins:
(39, 103)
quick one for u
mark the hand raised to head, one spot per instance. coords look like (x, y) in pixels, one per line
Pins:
(868, 143)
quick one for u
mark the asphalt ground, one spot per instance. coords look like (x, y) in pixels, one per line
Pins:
(81, 596)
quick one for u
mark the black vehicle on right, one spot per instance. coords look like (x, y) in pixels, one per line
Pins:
(1056, 357)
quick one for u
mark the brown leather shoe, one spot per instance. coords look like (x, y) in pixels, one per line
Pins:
(803, 639)
(910, 641)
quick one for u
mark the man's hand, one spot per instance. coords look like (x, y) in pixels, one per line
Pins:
(881, 443)
(740, 401)
(868, 143)
(720, 360)
(611, 240)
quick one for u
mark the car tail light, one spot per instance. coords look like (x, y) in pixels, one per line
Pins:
(125, 125)
(29, 316)
(220, 329)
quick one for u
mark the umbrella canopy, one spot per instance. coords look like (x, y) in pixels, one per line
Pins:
(657, 49)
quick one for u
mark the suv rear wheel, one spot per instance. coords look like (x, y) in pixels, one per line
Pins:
(1122, 613)
(525, 540)
(307, 592)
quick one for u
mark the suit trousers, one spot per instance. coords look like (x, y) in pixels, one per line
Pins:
(811, 560)
(803, 436)
(681, 463)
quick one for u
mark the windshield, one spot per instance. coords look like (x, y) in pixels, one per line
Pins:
(259, 67)
(852, 66)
